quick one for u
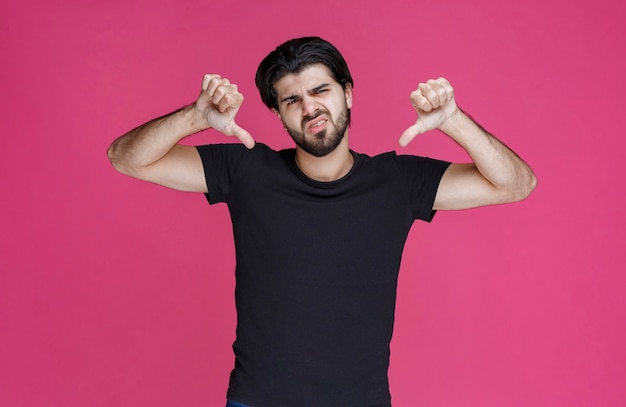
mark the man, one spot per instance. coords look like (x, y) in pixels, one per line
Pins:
(319, 229)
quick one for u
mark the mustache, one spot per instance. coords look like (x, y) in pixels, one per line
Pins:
(315, 115)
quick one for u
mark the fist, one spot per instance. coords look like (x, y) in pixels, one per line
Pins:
(219, 94)
(434, 103)
(219, 102)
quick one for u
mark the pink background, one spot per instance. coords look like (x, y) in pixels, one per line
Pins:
(115, 292)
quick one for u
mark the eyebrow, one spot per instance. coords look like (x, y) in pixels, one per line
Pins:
(320, 87)
(313, 90)
(289, 99)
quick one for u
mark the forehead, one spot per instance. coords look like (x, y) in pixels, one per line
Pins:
(307, 79)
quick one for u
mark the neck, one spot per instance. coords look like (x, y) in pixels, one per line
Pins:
(331, 167)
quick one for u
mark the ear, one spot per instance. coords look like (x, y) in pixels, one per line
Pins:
(276, 112)
(347, 91)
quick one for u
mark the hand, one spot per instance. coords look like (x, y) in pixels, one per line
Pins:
(434, 103)
(219, 103)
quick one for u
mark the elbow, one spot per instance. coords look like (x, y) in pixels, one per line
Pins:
(524, 188)
(116, 162)
(530, 183)
(113, 158)
(111, 155)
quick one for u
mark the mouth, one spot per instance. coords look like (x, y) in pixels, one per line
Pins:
(317, 124)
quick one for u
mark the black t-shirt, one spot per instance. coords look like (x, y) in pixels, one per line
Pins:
(317, 267)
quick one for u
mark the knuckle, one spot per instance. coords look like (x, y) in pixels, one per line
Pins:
(212, 78)
(231, 99)
(219, 91)
(431, 94)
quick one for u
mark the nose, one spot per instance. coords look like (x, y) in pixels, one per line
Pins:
(309, 106)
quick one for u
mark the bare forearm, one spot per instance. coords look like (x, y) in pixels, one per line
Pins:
(497, 163)
(149, 142)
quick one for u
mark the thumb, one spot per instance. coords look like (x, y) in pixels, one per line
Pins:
(243, 136)
(409, 134)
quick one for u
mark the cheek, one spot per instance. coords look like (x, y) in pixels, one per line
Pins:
(294, 122)
(286, 118)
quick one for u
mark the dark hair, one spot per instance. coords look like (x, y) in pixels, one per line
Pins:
(294, 56)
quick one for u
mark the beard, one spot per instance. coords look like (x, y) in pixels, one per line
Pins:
(326, 141)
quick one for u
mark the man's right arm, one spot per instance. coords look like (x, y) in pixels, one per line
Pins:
(151, 152)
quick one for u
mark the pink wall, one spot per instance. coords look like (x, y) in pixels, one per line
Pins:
(115, 292)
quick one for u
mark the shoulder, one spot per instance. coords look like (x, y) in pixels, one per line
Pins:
(232, 148)
(417, 172)
(402, 162)
(424, 165)
(233, 152)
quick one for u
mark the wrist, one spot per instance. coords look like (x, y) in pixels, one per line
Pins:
(454, 123)
(195, 119)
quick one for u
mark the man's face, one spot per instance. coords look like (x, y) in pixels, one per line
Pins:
(314, 109)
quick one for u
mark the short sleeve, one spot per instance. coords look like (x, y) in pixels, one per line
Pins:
(220, 162)
(422, 175)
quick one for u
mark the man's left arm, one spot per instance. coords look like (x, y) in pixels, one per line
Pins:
(497, 175)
